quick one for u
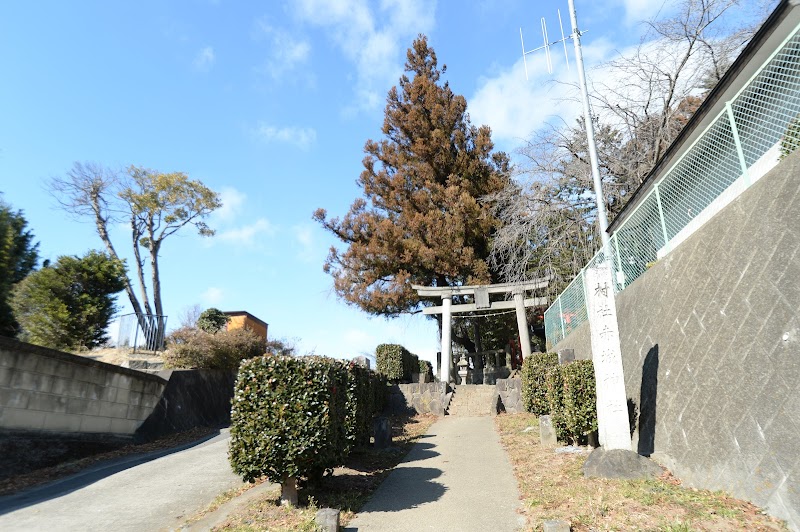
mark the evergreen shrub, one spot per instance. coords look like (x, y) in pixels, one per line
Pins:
(297, 417)
(555, 398)
(426, 368)
(396, 362)
(572, 398)
(579, 399)
(212, 320)
(366, 398)
(287, 418)
(534, 382)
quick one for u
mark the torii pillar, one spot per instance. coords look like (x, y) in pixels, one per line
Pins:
(447, 357)
(522, 324)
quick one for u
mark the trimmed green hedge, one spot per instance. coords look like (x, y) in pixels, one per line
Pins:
(580, 399)
(426, 368)
(555, 399)
(572, 398)
(396, 362)
(297, 417)
(534, 382)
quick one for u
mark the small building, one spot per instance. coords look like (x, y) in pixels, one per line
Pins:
(240, 319)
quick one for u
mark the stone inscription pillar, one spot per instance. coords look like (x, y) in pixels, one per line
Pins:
(612, 407)
(447, 358)
(522, 324)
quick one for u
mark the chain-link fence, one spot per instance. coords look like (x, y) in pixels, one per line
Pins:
(741, 144)
(143, 332)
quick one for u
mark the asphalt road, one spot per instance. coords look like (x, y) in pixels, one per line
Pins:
(157, 491)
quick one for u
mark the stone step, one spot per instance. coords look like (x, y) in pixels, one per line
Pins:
(472, 400)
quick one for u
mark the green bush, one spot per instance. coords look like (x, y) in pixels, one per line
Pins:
(395, 362)
(188, 347)
(297, 417)
(555, 398)
(426, 368)
(580, 400)
(534, 382)
(287, 418)
(366, 392)
(389, 361)
(212, 320)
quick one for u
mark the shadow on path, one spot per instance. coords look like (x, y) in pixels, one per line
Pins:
(64, 486)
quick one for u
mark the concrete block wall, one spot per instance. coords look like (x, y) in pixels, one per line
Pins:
(711, 349)
(43, 390)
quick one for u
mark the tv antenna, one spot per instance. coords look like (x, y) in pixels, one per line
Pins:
(546, 46)
(587, 110)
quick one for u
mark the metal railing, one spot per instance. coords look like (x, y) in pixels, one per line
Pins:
(741, 144)
(142, 331)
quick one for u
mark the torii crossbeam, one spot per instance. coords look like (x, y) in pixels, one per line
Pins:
(480, 294)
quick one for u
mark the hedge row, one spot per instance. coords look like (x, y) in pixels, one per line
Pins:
(297, 417)
(534, 382)
(566, 392)
(396, 362)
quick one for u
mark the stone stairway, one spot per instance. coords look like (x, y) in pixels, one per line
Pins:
(471, 400)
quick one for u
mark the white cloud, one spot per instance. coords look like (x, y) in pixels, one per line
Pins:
(232, 200)
(212, 295)
(304, 237)
(286, 52)
(639, 10)
(204, 59)
(246, 235)
(372, 38)
(302, 137)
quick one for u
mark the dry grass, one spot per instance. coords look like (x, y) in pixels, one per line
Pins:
(552, 486)
(347, 489)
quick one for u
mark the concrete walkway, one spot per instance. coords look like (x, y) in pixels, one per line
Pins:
(457, 478)
(145, 493)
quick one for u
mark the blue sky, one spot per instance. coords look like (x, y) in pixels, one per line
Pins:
(268, 103)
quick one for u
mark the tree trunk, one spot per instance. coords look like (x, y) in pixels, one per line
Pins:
(102, 231)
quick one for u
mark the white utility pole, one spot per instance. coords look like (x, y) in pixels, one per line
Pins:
(602, 218)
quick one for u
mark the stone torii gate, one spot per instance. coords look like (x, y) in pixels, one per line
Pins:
(480, 294)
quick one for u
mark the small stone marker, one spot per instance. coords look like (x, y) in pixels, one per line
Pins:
(565, 356)
(556, 525)
(547, 433)
(327, 520)
(383, 432)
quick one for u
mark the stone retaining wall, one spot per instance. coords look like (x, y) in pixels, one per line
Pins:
(427, 398)
(710, 338)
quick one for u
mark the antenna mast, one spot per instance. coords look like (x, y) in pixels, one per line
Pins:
(602, 217)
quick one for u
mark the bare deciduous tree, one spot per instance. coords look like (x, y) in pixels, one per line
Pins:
(642, 102)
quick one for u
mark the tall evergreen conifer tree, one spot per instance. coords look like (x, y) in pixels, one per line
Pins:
(420, 220)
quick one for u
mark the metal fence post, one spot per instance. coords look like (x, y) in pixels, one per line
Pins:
(661, 218)
(619, 264)
(561, 318)
(737, 143)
